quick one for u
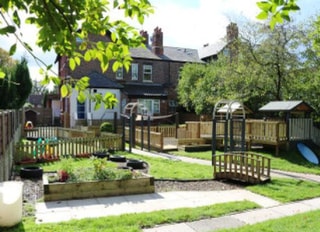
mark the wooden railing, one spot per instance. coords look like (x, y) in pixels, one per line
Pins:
(53, 149)
(270, 132)
(243, 166)
(156, 138)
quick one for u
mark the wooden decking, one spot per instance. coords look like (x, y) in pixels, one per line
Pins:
(242, 166)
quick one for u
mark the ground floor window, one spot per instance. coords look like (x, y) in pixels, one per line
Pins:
(152, 106)
(80, 110)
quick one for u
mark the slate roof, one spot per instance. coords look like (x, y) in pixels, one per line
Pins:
(169, 54)
(212, 49)
(286, 106)
(144, 90)
(98, 80)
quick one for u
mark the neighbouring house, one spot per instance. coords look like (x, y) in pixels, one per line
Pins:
(151, 81)
(226, 46)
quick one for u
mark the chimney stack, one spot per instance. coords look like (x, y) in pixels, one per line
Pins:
(232, 32)
(145, 35)
(157, 41)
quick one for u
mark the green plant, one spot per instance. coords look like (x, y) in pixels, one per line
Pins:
(101, 172)
(66, 169)
(106, 127)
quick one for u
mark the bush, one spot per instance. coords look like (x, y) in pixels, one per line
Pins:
(106, 127)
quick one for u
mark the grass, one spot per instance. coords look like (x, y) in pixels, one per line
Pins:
(171, 169)
(160, 168)
(287, 190)
(283, 190)
(286, 161)
(306, 222)
(134, 222)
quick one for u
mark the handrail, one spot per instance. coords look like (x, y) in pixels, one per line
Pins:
(245, 166)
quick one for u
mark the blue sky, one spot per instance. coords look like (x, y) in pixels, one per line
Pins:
(185, 23)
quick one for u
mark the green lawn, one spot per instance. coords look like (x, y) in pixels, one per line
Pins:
(286, 161)
(134, 222)
(284, 190)
(287, 190)
(306, 222)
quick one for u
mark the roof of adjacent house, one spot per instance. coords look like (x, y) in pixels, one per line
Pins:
(98, 80)
(286, 106)
(145, 89)
(169, 54)
(211, 49)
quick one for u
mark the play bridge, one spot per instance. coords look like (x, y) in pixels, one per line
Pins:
(241, 166)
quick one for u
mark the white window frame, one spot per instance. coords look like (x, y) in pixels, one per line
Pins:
(134, 71)
(147, 73)
(153, 105)
(119, 73)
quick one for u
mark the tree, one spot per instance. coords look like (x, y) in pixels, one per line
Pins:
(64, 26)
(268, 65)
(15, 87)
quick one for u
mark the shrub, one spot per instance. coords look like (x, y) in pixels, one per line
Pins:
(106, 127)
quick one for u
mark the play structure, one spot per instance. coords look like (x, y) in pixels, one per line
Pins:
(137, 127)
(228, 125)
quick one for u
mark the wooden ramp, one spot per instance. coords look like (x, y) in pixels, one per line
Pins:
(242, 166)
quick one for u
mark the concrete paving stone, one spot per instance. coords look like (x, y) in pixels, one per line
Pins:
(83, 202)
(255, 216)
(111, 201)
(180, 227)
(313, 203)
(43, 207)
(143, 197)
(215, 224)
(292, 208)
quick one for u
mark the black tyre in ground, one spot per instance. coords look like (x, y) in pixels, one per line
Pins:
(137, 164)
(117, 158)
(101, 154)
(32, 172)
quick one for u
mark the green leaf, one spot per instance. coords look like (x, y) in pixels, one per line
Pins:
(16, 18)
(263, 15)
(97, 105)
(2, 75)
(72, 64)
(7, 29)
(13, 49)
(64, 91)
(264, 6)
(56, 80)
(81, 97)
(87, 56)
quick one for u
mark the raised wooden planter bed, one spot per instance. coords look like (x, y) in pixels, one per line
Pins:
(67, 191)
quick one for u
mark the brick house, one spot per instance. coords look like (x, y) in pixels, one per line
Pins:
(151, 81)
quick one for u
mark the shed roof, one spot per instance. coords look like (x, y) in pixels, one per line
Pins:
(287, 106)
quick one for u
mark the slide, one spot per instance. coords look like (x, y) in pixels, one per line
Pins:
(307, 153)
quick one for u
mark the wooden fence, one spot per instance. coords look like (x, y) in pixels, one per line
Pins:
(51, 149)
(58, 132)
(11, 123)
